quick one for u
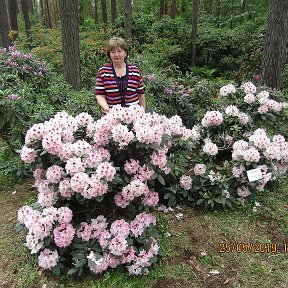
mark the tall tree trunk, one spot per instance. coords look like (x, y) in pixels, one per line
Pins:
(195, 13)
(162, 8)
(4, 25)
(128, 19)
(47, 15)
(31, 7)
(42, 8)
(25, 10)
(173, 9)
(275, 44)
(113, 10)
(70, 42)
(12, 8)
(243, 6)
(96, 19)
(218, 13)
(56, 13)
(104, 12)
(209, 7)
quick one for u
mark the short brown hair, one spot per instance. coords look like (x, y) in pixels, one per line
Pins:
(115, 42)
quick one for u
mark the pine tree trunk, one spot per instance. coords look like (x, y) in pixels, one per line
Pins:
(70, 42)
(12, 8)
(218, 13)
(25, 10)
(56, 12)
(275, 44)
(4, 25)
(42, 12)
(104, 12)
(162, 8)
(31, 7)
(195, 13)
(96, 19)
(173, 9)
(47, 15)
(113, 10)
(128, 19)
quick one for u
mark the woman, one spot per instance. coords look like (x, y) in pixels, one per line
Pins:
(119, 82)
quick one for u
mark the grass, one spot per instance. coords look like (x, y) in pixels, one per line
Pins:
(192, 250)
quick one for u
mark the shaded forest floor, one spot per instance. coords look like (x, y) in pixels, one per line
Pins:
(193, 249)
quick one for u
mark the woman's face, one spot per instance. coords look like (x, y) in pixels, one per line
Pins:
(118, 55)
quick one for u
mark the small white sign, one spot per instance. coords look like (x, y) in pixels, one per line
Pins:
(254, 174)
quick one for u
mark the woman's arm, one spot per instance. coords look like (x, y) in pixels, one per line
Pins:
(142, 100)
(102, 103)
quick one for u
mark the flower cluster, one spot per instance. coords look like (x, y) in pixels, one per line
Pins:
(88, 161)
(24, 64)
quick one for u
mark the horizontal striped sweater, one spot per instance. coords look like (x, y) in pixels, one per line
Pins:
(107, 84)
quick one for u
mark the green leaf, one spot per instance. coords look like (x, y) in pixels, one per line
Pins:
(200, 201)
(167, 195)
(172, 201)
(56, 270)
(19, 227)
(72, 271)
(161, 253)
(161, 180)
(80, 263)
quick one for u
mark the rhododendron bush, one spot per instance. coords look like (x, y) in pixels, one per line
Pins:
(97, 182)
(230, 145)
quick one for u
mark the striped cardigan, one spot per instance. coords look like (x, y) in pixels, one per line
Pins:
(107, 84)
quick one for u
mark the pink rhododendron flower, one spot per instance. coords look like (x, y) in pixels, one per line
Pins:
(80, 182)
(65, 188)
(240, 145)
(48, 259)
(263, 95)
(83, 119)
(199, 169)
(243, 118)
(35, 133)
(84, 232)
(185, 182)
(232, 110)
(151, 199)
(227, 89)
(63, 234)
(210, 148)
(237, 171)
(243, 191)
(263, 109)
(131, 167)
(82, 148)
(260, 141)
(120, 227)
(118, 245)
(106, 170)
(249, 98)
(249, 88)
(64, 215)
(74, 165)
(122, 135)
(251, 155)
(212, 118)
(54, 174)
(28, 155)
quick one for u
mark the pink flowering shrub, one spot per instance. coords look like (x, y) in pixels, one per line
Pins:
(231, 144)
(94, 179)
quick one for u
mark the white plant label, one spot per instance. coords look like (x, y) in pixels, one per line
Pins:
(254, 174)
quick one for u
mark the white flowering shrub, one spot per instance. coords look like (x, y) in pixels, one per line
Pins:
(97, 182)
(230, 145)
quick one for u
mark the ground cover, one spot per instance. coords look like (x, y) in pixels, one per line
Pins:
(193, 248)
